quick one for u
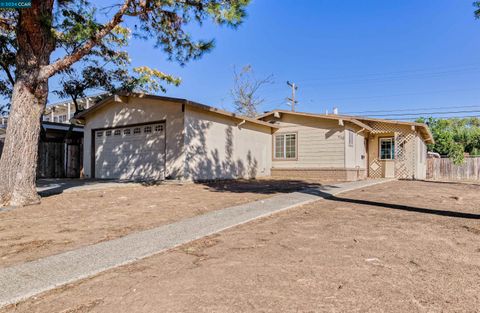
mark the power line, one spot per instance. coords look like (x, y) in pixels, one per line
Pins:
(426, 113)
(416, 109)
(435, 69)
(280, 101)
(438, 70)
(443, 117)
(367, 81)
(388, 76)
(401, 94)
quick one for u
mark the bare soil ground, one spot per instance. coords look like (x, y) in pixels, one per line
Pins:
(70, 220)
(397, 247)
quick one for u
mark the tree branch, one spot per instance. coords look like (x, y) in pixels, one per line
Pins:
(76, 55)
(9, 74)
(6, 24)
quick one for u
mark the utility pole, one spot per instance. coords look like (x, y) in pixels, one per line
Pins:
(292, 99)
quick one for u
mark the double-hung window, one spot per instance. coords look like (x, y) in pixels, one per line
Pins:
(387, 149)
(286, 146)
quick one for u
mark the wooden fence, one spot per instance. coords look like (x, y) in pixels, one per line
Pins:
(445, 169)
(58, 160)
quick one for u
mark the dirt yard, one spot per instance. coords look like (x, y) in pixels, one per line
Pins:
(397, 247)
(70, 220)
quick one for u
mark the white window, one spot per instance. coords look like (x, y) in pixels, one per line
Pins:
(285, 146)
(99, 134)
(108, 133)
(158, 128)
(137, 130)
(147, 129)
(117, 132)
(350, 138)
(126, 131)
(387, 149)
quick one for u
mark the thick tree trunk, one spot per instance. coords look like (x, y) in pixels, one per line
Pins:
(18, 163)
(19, 158)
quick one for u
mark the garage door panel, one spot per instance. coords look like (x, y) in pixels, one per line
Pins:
(136, 152)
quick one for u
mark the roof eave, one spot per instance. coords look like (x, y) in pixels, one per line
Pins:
(360, 124)
(226, 113)
(83, 114)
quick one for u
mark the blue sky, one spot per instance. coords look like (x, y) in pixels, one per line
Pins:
(355, 55)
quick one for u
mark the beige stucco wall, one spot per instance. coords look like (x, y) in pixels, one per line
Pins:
(140, 110)
(320, 142)
(217, 147)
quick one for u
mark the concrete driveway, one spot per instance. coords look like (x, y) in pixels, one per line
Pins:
(47, 187)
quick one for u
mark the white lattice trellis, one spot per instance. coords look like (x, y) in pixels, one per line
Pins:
(375, 168)
(404, 150)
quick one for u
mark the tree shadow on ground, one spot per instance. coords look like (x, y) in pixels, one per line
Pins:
(445, 182)
(400, 207)
(261, 186)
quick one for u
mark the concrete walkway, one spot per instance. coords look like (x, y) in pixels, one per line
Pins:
(25, 280)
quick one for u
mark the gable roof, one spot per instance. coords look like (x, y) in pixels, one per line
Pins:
(358, 120)
(108, 100)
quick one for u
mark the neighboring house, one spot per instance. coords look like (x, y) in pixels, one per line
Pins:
(62, 112)
(320, 146)
(152, 137)
(149, 137)
(61, 144)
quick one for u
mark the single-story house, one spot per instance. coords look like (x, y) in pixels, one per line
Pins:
(346, 147)
(148, 137)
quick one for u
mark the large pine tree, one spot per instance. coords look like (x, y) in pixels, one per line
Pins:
(86, 37)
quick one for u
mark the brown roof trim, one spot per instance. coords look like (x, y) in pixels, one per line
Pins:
(428, 137)
(107, 100)
(328, 117)
(230, 114)
(363, 125)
